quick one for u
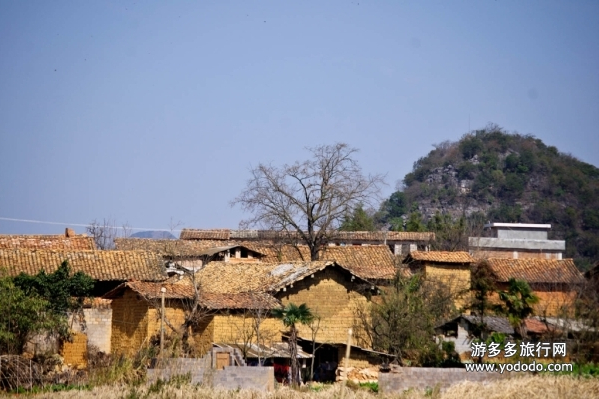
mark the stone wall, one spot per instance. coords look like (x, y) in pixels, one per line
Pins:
(424, 377)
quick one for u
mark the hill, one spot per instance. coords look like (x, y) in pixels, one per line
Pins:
(490, 175)
(157, 235)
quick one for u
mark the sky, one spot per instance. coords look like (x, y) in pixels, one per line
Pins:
(151, 113)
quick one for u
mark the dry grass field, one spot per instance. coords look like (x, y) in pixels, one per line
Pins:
(538, 387)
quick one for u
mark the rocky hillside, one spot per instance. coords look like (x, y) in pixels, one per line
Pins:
(492, 175)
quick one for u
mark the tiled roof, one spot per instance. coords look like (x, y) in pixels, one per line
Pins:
(197, 234)
(367, 262)
(227, 277)
(535, 270)
(336, 236)
(384, 235)
(182, 248)
(56, 242)
(279, 253)
(209, 300)
(441, 256)
(494, 323)
(100, 265)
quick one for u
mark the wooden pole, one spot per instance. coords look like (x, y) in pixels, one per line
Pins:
(162, 291)
(346, 362)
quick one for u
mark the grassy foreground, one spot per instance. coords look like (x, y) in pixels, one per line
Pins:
(565, 387)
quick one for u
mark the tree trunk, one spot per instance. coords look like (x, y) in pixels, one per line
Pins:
(295, 380)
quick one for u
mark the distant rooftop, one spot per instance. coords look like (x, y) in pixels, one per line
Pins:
(517, 226)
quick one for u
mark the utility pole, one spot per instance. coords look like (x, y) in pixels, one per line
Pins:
(162, 291)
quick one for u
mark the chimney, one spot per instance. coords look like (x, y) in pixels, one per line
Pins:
(69, 232)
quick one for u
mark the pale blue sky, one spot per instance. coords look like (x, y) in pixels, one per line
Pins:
(141, 111)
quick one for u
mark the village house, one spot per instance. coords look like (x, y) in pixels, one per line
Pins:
(107, 268)
(516, 241)
(330, 290)
(460, 330)
(555, 282)
(449, 268)
(399, 242)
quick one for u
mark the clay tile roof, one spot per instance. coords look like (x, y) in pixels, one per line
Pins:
(338, 236)
(177, 248)
(197, 234)
(537, 326)
(166, 247)
(209, 300)
(100, 265)
(536, 270)
(57, 242)
(441, 256)
(279, 253)
(228, 277)
(368, 262)
(384, 235)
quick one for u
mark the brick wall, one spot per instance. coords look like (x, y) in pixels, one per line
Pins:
(129, 323)
(331, 296)
(174, 314)
(98, 323)
(357, 358)
(75, 352)
(457, 278)
(552, 303)
(201, 372)
(424, 377)
(256, 378)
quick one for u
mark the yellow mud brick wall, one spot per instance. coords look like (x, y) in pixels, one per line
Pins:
(332, 297)
(457, 279)
(174, 314)
(129, 324)
(551, 303)
(202, 336)
(555, 303)
(233, 327)
(357, 358)
(75, 352)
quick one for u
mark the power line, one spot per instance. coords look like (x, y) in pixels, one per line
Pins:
(81, 225)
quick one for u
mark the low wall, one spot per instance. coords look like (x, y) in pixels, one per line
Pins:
(426, 377)
(201, 372)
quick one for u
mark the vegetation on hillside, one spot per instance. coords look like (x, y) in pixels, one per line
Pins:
(492, 175)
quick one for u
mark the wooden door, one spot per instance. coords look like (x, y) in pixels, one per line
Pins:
(222, 360)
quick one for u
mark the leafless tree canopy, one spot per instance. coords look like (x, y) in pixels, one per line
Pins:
(309, 197)
(106, 231)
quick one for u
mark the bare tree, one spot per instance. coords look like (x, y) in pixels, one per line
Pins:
(311, 198)
(314, 329)
(106, 231)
